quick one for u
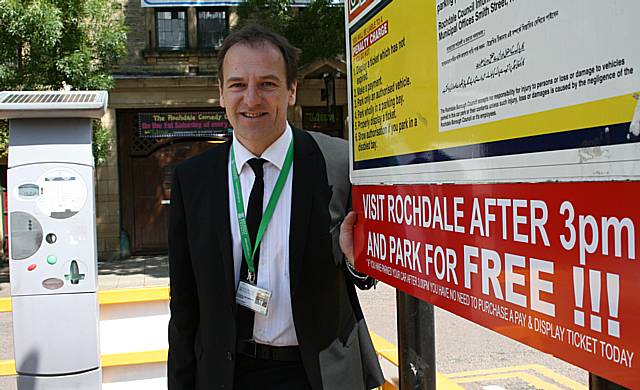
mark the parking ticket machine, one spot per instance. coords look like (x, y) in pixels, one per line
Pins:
(52, 237)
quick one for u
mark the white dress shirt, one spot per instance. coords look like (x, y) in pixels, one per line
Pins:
(276, 328)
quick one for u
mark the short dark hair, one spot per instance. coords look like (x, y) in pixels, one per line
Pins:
(255, 35)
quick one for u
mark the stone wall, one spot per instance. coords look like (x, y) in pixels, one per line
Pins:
(135, 19)
(108, 199)
(144, 58)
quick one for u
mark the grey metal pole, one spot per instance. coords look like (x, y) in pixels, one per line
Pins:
(598, 383)
(416, 343)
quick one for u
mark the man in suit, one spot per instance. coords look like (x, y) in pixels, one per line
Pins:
(261, 296)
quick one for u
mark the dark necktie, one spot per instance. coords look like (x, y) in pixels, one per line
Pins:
(254, 215)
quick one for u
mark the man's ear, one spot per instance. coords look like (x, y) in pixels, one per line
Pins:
(220, 93)
(292, 92)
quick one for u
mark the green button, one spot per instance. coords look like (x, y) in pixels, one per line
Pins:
(52, 260)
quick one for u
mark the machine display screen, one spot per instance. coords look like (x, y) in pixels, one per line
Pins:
(28, 191)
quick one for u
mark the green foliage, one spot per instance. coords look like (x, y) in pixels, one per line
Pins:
(53, 44)
(272, 14)
(4, 138)
(318, 29)
(101, 142)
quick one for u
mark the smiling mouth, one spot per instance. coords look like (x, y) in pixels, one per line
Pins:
(253, 114)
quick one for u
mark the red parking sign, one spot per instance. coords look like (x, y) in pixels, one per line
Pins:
(552, 265)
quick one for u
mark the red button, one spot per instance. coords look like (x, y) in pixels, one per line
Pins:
(31, 267)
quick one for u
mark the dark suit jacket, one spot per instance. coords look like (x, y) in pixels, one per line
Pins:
(336, 349)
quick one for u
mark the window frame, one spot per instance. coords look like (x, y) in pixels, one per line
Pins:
(186, 28)
(197, 16)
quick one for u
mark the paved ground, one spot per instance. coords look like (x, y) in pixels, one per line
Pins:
(499, 363)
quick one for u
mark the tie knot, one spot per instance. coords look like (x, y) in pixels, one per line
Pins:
(256, 165)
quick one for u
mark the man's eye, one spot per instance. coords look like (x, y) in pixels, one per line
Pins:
(236, 85)
(269, 84)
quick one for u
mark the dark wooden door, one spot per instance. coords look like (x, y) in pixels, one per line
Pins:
(146, 169)
(152, 176)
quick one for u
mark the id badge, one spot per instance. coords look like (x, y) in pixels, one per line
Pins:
(253, 297)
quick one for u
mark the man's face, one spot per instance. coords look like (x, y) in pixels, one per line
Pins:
(255, 94)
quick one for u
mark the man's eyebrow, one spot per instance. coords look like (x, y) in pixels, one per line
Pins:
(232, 79)
(270, 77)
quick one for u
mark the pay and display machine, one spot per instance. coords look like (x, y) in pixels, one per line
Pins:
(52, 237)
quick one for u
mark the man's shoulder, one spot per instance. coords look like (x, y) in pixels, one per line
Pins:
(327, 141)
(334, 150)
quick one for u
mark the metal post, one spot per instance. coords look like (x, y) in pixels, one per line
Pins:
(416, 343)
(598, 383)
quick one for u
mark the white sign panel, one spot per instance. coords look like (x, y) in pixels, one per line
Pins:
(503, 59)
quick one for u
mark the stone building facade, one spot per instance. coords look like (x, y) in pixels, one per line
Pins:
(169, 79)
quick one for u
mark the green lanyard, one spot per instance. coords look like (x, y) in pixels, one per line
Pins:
(250, 251)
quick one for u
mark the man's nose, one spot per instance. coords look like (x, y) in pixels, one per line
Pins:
(252, 96)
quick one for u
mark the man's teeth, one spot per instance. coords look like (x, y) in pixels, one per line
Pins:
(252, 114)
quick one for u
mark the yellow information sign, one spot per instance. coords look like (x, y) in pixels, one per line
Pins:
(394, 92)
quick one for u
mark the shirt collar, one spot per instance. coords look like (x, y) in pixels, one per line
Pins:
(275, 153)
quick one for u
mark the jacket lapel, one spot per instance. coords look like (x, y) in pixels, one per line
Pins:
(220, 195)
(301, 200)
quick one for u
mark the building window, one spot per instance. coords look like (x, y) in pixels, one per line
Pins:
(212, 27)
(171, 29)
